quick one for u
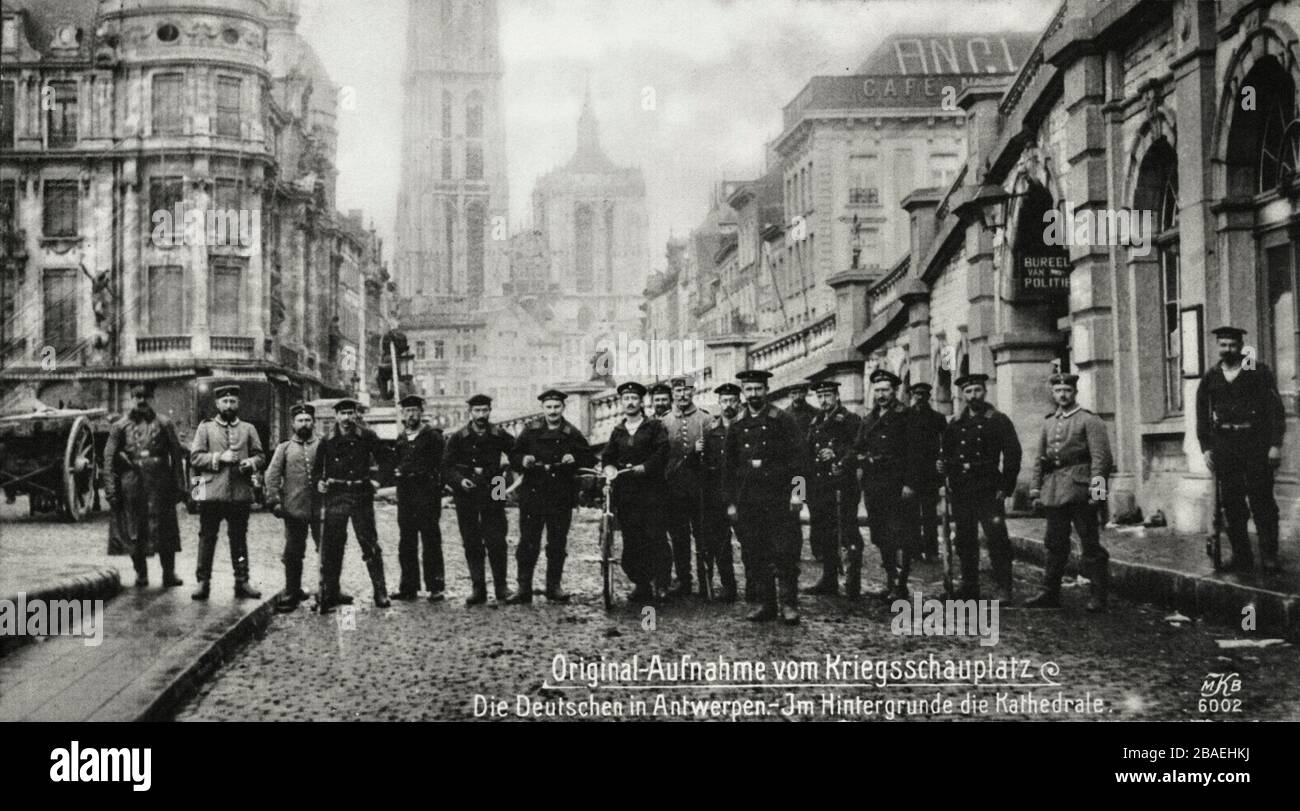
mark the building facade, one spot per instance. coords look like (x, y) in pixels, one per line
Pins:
(167, 179)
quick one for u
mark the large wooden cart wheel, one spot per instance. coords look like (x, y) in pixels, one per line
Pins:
(79, 471)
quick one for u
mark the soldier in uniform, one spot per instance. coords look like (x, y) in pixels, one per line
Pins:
(346, 462)
(225, 453)
(714, 527)
(685, 425)
(1240, 423)
(833, 493)
(661, 400)
(888, 455)
(766, 462)
(291, 497)
(145, 481)
(418, 462)
(980, 461)
(548, 451)
(1070, 473)
(931, 425)
(637, 451)
(800, 409)
(474, 467)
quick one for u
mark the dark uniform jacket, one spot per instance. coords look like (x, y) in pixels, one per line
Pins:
(889, 451)
(649, 447)
(714, 461)
(1073, 456)
(981, 452)
(835, 431)
(348, 461)
(930, 425)
(1246, 414)
(477, 457)
(764, 453)
(145, 478)
(552, 490)
(417, 463)
(803, 414)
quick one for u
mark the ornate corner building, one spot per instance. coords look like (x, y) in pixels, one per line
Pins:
(167, 188)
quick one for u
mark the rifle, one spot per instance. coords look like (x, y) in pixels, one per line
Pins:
(703, 560)
(948, 587)
(1214, 541)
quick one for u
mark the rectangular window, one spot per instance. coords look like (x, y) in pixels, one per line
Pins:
(226, 195)
(165, 194)
(227, 292)
(228, 120)
(60, 299)
(1171, 287)
(474, 161)
(446, 114)
(419, 350)
(168, 113)
(446, 161)
(7, 114)
(9, 34)
(167, 311)
(439, 350)
(62, 115)
(61, 203)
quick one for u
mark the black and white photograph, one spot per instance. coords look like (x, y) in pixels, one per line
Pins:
(651, 360)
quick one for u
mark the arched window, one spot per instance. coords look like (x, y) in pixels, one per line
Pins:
(584, 232)
(475, 222)
(474, 115)
(1157, 191)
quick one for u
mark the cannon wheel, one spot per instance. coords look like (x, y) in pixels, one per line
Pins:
(79, 471)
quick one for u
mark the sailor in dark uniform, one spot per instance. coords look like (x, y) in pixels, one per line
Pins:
(1240, 422)
(417, 468)
(548, 451)
(637, 451)
(716, 529)
(766, 482)
(474, 465)
(980, 461)
(833, 493)
(931, 425)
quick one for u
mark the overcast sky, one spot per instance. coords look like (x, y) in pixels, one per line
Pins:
(720, 71)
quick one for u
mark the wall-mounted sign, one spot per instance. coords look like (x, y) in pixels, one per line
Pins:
(1042, 275)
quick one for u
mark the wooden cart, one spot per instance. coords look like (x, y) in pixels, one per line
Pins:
(53, 456)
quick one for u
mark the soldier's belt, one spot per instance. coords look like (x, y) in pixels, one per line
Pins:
(1231, 427)
(346, 484)
(1057, 464)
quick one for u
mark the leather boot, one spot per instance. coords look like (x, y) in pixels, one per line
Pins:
(170, 580)
(790, 596)
(829, 583)
(554, 572)
(1268, 558)
(1099, 588)
(497, 562)
(201, 593)
(375, 566)
(726, 574)
(767, 609)
(853, 575)
(478, 581)
(141, 571)
(524, 595)
(1243, 559)
(245, 591)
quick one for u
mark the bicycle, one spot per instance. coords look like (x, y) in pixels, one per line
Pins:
(605, 536)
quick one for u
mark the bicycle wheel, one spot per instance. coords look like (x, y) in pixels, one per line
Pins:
(606, 565)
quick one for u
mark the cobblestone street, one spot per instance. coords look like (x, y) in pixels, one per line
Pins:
(418, 661)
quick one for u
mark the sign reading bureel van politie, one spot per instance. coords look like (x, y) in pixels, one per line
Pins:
(1042, 274)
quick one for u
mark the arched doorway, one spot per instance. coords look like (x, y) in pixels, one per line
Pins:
(1040, 277)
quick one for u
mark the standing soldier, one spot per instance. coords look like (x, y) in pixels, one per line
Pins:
(888, 453)
(145, 482)
(1240, 423)
(417, 462)
(637, 451)
(1069, 480)
(474, 466)
(833, 493)
(225, 453)
(800, 409)
(549, 451)
(661, 400)
(765, 478)
(346, 462)
(714, 526)
(980, 461)
(931, 425)
(685, 425)
(291, 497)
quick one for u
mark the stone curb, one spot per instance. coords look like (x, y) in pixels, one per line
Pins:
(1277, 614)
(182, 674)
(101, 583)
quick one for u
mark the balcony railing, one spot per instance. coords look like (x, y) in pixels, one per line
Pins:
(151, 344)
(233, 344)
(794, 347)
(882, 294)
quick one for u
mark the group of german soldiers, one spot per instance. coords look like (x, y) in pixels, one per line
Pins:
(681, 478)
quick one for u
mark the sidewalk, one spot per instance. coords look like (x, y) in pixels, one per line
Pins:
(1171, 570)
(157, 644)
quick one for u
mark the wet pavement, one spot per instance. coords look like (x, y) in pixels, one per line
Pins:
(421, 661)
